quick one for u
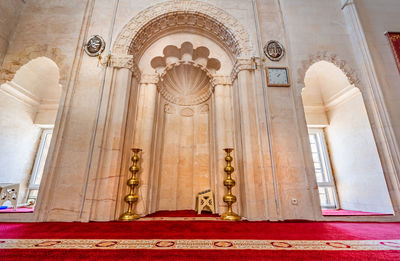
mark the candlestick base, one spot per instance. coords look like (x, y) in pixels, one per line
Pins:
(231, 216)
(129, 217)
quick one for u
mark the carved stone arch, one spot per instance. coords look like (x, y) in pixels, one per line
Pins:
(13, 63)
(332, 58)
(186, 13)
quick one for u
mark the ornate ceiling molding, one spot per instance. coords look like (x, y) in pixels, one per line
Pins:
(162, 17)
(329, 57)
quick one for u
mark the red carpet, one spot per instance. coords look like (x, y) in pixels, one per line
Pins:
(343, 212)
(200, 240)
(18, 210)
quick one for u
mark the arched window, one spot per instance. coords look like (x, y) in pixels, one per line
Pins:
(29, 105)
(347, 165)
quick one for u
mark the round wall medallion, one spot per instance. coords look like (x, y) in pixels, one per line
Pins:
(95, 45)
(274, 50)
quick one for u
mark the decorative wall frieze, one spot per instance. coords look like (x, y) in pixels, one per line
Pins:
(242, 64)
(149, 78)
(179, 15)
(329, 57)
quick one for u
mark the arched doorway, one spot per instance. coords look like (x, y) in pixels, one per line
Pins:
(29, 105)
(347, 165)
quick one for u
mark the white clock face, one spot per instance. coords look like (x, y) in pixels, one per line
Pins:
(278, 76)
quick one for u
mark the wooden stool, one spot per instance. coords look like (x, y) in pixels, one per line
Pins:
(9, 192)
(205, 201)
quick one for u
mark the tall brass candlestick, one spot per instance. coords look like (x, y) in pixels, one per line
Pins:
(133, 182)
(229, 199)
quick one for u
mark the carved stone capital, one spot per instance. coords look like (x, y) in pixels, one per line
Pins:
(240, 65)
(149, 79)
(222, 80)
(125, 61)
(122, 61)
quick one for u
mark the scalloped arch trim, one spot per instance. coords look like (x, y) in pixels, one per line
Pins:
(332, 58)
(229, 28)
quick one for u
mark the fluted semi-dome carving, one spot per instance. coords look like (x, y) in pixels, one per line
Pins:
(186, 74)
(185, 84)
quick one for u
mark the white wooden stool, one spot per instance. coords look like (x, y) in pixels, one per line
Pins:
(9, 192)
(205, 201)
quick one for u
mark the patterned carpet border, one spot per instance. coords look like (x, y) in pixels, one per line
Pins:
(199, 244)
(180, 219)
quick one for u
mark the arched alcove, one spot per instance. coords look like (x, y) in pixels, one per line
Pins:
(347, 164)
(185, 86)
(206, 42)
(175, 120)
(29, 104)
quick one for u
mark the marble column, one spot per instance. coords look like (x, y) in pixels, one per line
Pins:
(223, 122)
(251, 143)
(102, 191)
(107, 176)
(144, 134)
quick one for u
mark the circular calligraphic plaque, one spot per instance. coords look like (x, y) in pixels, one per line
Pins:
(95, 45)
(274, 50)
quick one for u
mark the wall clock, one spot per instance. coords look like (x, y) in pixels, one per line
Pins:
(277, 77)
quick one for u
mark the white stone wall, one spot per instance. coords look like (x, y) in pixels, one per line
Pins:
(19, 140)
(355, 161)
(10, 12)
(378, 17)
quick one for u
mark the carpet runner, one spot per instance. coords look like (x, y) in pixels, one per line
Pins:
(196, 239)
(344, 212)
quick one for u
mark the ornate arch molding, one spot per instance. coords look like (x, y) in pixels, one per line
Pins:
(180, 14)
(13, 63)
(329, 57)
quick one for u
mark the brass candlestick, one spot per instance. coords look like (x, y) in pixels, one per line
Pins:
(133, 182)
(229, 199)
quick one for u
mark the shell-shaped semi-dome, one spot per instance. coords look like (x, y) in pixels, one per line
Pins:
(185, 84)
(186, 53)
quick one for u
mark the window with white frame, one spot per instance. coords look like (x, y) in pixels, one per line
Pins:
(38, 167)
(323, 171)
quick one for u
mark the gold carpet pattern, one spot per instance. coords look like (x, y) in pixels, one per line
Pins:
(197, 244)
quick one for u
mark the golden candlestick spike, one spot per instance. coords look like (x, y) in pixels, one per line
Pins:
(133, 182)
(229, 199)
